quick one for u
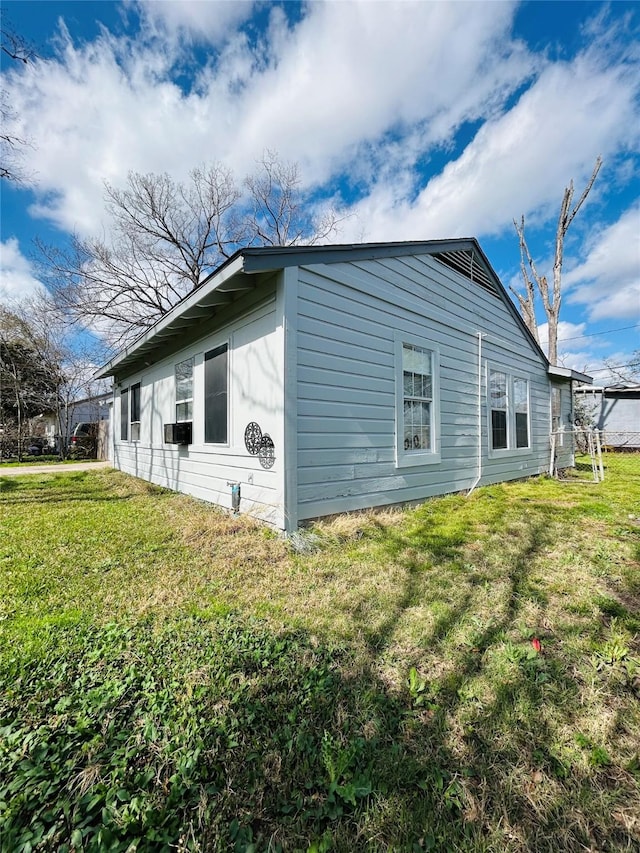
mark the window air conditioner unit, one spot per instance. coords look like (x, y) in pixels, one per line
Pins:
(178, 433)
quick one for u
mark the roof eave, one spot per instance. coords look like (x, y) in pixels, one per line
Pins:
(568, 373)
(232, 267)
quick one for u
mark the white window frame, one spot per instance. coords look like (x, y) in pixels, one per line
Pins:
(410, 458)
(557, 428)
(181, 401)
(134, 425)
(511, 449)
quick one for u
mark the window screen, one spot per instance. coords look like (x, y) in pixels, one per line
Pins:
(184, 390)
(216, 395)
(135, 412)
(124, 414)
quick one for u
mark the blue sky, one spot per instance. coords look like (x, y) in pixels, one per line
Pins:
(418, 120)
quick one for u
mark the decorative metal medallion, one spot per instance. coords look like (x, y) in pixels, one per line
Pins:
(253, 438)
(267, 452)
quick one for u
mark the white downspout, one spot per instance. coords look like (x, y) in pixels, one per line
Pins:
(479, 477)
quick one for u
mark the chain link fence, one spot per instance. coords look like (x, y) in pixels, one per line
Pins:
(599, 454)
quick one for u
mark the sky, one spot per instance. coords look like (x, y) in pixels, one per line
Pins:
(417, 120)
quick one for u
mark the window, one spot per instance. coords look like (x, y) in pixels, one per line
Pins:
(215, 395)
(135, 412)
(508, 411)
(184, 390)
(416, 400)
(418, 395)
(556, 414)
(556, 409)
(521, 406)
(498, 393)
(124, 414)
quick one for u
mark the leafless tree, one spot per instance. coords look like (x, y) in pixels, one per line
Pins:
(535, 282)
(44, 368)
(280, 215)
(11, 144)
(626, 373)
(165, 237)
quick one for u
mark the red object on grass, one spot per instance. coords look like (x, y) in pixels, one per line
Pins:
(537, 645)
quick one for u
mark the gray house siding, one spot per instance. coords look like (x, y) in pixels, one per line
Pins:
(349, 315)
(384, 373)
(253, 332)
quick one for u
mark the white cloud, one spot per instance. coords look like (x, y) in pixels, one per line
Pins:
(341, 87)
(17, 281)
(608, 281)
(518, 161)
(207, 21)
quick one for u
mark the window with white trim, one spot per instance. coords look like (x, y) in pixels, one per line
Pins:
(509, 410)
(416, 404)
(556, 414)
(135, 412)
(216, 412)
(499, 410)
(184, 390)
(521, 411)
(124, 414)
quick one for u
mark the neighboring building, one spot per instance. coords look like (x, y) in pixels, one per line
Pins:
(615, 410)
(88, 410)
(308, 381)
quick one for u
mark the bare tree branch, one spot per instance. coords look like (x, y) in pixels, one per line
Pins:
(12, 144)
(166, 236)
(551, 298)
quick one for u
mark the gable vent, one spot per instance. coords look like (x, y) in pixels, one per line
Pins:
(468, 264)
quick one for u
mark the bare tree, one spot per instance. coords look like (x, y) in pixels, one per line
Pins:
(626, 373)
(11, 145)
(280, 214)
(44, 368)
(166, 236)
(534, 281)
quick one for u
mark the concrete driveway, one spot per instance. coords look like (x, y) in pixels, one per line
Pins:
(52, 468)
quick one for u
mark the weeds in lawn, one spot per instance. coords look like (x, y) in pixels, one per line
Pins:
(463, 675)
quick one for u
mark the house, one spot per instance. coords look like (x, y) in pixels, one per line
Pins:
(95, 409)
(614, 409)
(298, 382)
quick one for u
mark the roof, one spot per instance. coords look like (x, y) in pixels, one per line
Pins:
(557, 372)
(238, 275)
(626, 390)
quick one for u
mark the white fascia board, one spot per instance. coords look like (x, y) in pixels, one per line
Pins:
(191, 300)
(567, 373)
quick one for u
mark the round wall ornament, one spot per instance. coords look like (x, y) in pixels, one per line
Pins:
(253, 438)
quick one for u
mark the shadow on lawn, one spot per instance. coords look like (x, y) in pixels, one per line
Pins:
(227, 735)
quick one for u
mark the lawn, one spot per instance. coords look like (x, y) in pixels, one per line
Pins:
(463, 675)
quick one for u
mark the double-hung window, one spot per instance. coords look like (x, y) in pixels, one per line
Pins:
(216, 414)
(124, 414)
(521, 411)
(184, 390)
(416, 403)
(499, 410)
(509, 422)
(135, 412)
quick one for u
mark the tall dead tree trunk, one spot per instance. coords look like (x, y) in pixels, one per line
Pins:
(551, 296)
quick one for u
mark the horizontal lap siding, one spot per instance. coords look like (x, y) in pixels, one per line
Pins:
(347, 316)
(255, 394)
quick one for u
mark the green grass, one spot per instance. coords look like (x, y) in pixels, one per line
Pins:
(176, 678)
(47, 459)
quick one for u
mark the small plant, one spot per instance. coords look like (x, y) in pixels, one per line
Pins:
(417, 687)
